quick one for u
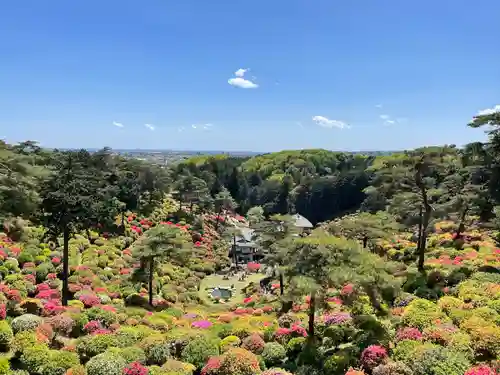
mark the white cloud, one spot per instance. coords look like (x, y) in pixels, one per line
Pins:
(378, 106)
(390, 122)
(118, 124)
(149, 126)
(327, 123)
(180, 129)
(242, 83)
(384, 117)
(202, 126)
(489, 111)
(240, 72)
(299, 124)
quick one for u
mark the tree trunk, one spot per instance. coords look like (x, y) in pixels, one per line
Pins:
(150, 287)
(365, 241)
(65, 290)
(423, 241)
(235, 255)
(312, 312)
(123, 218)
(372, 295)
(191, 207)
(426, 216)
(420, 223)
(282, 283)
(218, 219)
(461, 226)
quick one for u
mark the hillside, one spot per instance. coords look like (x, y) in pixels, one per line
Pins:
(116, 266)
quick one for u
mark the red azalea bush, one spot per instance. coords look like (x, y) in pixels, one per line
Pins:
(92, 326)
(212, 366)
(89, 300)
(409, 333)
(135, 368)
(481, 370)
(254, 343)
(253, 266)
(373, 356)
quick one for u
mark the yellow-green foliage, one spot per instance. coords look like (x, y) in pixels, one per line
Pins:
(421, 313)
(485, 335)
(229, 342)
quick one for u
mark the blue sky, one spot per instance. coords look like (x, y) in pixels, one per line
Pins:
(400, 74)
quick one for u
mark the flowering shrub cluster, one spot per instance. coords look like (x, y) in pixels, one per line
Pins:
(446, 324)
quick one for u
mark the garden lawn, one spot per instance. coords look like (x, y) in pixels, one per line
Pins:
(213, 281)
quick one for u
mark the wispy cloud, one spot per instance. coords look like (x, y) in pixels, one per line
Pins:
(240, 72)
(118, 124)
(299, 124)
(327, 123)
(180, 129)
(202, 126)
(489, 111)
(378, 106)
(150, 127)
(241, 82)
(388, 120)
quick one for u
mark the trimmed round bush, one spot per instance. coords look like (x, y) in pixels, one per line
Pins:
(128, 336)
(35, 357)
(287, 320)
(130, 354)
(26, 322)
(156, 348)
(421, 313)
(273, 354)
(373, 356)
(77, 370)
(106, 318)
(276, 371)
(254, 343)
(229, 342)
(295, 346)
(173, 367)
(4, 366)
(60, 361)
(90, 346)
(336, 364)
(6, 336)
(198, 350)
(392, 368)
(238, 361)
(440, 361)
(106, 364)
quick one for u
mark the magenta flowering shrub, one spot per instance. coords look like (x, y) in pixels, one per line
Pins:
(337, 318)
(202, 324)
(373, 356)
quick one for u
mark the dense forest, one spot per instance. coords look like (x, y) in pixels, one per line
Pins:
(111, 265)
